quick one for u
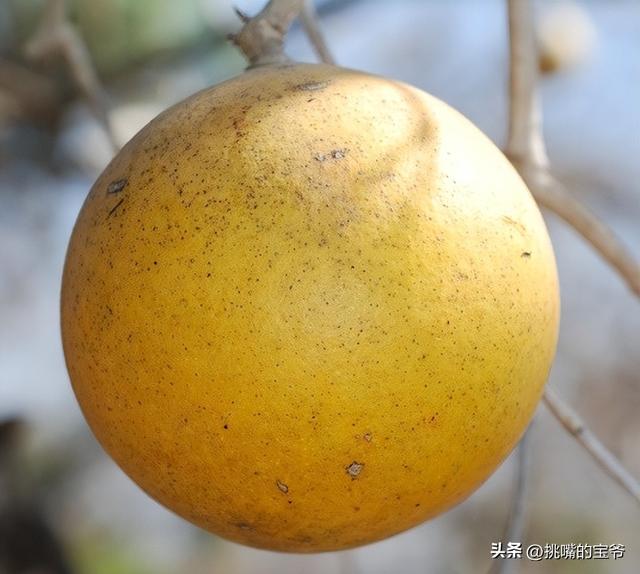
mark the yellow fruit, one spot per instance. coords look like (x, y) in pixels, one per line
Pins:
(309, 308)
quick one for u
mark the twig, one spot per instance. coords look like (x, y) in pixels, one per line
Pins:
(56, 36)
(524, 144)
(526, 149)
(574, 425)
(309, 18)
(261, 38)
(550, 193)
(524, 141)
(516, 521)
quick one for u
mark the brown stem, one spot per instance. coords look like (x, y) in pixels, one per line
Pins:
(261, 38)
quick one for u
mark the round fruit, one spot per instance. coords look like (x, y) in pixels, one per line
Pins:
(309, 308)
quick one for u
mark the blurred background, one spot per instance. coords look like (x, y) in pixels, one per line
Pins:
(66, 507)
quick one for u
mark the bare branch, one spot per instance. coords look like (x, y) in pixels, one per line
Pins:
(56, 36)
(570, 420)
(526, 149)
(261, 38)
(514, 531)
(525, 142)
(309, 19)
(550, 193)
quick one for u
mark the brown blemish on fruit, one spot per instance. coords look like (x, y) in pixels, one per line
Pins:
(367, 436)
(521, 228)
(117, 186)
(526, 254)
(354, 469)
(282, 486)
(114, 208)
(311, 86)
(333, 154)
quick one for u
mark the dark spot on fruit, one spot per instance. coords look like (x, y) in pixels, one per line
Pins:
(526, 254)
(311, 86)
(354, 469)
(117, 186)
(333, 154)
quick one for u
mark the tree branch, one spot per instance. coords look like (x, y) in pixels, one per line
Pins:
(261, 38)
(550, 193)
(526, 149)
(524, 141)
(574, 425)
(309, 19)
(56, 36)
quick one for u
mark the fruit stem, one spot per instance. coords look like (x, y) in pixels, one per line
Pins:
(261, 38)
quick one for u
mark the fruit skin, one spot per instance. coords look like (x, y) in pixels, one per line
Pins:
(309, 308)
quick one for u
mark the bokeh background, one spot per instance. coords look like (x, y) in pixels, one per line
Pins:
(64, 502)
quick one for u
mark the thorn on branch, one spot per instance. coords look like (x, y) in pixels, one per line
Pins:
(244, 17)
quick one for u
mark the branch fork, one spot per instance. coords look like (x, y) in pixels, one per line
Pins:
(261, 38)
